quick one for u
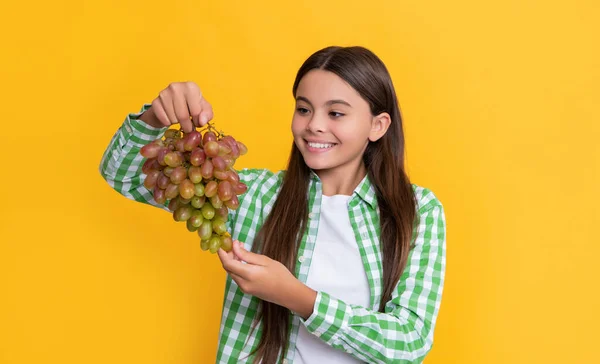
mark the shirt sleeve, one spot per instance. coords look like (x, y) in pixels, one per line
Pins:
(121, 164)
(404, 332)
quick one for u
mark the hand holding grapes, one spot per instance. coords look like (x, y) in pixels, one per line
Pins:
(180, 102)
(267, 279)
(194, 172)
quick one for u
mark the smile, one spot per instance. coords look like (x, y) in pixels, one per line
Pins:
(320, 145)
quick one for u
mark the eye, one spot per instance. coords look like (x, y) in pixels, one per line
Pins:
(302, 110)
(335, 114)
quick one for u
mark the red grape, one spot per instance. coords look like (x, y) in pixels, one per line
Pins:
(151, 179)
(233, 204)
(211, 149)
(219, 163)
(171, 191)
(225, 191)
(163, 181)
(150, 150)
(208, 137)
(159, 195)
(191, 140)
(178, 175)
(210, 189)
(240, 188)
(207, 170)
(197, 157)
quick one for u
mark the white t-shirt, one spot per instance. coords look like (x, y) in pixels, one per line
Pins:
(337, 269)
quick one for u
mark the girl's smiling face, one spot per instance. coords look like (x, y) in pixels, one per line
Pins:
(333, 124)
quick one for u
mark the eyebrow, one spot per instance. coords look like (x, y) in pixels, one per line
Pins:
(328, 103)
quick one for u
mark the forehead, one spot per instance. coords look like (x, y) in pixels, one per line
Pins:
(319, 85)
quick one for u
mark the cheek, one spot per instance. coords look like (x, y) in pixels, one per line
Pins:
(297, 126)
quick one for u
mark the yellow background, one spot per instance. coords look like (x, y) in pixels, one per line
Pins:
(500, 101)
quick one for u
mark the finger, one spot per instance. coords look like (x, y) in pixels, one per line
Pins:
(181, 111)
(234, 266)
(239, 280)
(249, 257)
(193, 101)
(167, 103)
(160, 113)
(207, 112)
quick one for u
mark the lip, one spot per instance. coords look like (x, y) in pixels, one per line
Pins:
(318, 150)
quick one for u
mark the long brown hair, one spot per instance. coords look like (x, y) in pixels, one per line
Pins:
(282, 231)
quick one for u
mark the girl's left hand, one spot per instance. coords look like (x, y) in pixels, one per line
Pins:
(266, 279)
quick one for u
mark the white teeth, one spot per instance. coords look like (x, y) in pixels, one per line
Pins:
(319, 145)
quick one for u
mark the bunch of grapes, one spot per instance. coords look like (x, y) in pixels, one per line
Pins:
(194, 172)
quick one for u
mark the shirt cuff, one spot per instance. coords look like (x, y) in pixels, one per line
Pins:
(137, 131)
(330, 316)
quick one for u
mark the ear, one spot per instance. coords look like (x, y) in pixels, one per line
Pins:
(379, 126)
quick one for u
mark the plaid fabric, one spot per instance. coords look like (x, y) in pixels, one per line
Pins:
(403, 334)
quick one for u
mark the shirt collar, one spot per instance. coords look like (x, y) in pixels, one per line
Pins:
(365, 189)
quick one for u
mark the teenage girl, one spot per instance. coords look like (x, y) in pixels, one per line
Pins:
(339, 258)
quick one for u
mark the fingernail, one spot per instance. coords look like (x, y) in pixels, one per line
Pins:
(203, 118)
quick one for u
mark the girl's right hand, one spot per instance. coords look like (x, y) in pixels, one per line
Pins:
(180, 102)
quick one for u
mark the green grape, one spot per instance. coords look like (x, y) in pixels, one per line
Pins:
(196, 219)
(168, 171)
(186, 189)
(225, 191)
(197, 157)
(183, 213)
(211, 149)
(204, 244)
(171, 191)
(216, 202)
(198, 201)
(195, 174)
(172, 133)
(219, 226)
(184, 201)
(174, 159)
(208, 212)
(214, 244)
(210, 189)
(205, 230)
(160, 158)
(226, 243)
(199, 189)
(190, 226)
(178, 175)
(207, 169)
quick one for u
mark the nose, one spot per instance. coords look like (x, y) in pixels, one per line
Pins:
(317, 124)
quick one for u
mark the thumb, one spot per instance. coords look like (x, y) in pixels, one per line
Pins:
(246, 256)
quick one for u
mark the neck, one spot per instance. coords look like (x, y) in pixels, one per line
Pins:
(343, 179)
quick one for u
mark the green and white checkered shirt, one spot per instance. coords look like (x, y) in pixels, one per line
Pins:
(403, 334)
